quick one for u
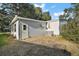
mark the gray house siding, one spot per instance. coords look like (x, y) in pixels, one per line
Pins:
(33, 28)
(23, 33)
(35, 24)
(13, 32)
(15, 29)
(36, 31)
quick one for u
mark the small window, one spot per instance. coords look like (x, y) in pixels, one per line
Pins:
(24, 27)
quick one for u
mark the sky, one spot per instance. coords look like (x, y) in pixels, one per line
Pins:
(55, 9)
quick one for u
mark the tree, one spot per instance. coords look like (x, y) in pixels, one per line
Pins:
(61, 17)
(24, 10)
(38, 13)
(71, 29)
(46, 16)
(9, 10)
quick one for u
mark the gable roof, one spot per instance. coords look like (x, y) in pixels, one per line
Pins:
(17, 18)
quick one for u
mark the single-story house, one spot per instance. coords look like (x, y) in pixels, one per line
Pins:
(22, 28)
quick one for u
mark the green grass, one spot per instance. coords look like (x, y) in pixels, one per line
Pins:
(3, 39)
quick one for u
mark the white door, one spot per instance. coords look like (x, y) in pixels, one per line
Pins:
(24, 31)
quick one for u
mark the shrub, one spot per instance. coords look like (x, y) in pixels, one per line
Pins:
(70, 31)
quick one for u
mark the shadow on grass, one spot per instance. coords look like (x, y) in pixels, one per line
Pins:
(20, 48)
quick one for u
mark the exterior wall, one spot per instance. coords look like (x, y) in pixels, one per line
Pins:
(12, 30)
(54, 27)
(36, 32)
(35, 24)
(23, 33)
(35, 28)
(15, 34)
(17, 30)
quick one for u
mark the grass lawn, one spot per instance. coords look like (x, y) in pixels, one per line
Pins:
(3, 39)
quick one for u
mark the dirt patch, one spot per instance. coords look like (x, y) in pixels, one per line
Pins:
(39, 46)
(55, 42)
(19, 48)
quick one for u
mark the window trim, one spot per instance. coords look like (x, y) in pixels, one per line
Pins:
(24, 27)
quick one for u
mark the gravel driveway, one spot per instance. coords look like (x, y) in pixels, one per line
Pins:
(20, 48)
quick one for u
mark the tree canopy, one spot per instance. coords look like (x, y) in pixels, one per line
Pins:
(71, 29)
(9, 10)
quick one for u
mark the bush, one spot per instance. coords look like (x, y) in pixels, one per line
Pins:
(70, 31)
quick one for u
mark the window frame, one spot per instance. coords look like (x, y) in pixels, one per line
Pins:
(24, 27)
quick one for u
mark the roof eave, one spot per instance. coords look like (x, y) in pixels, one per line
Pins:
(14, 19)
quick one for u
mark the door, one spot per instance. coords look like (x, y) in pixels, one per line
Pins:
(24, 31)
